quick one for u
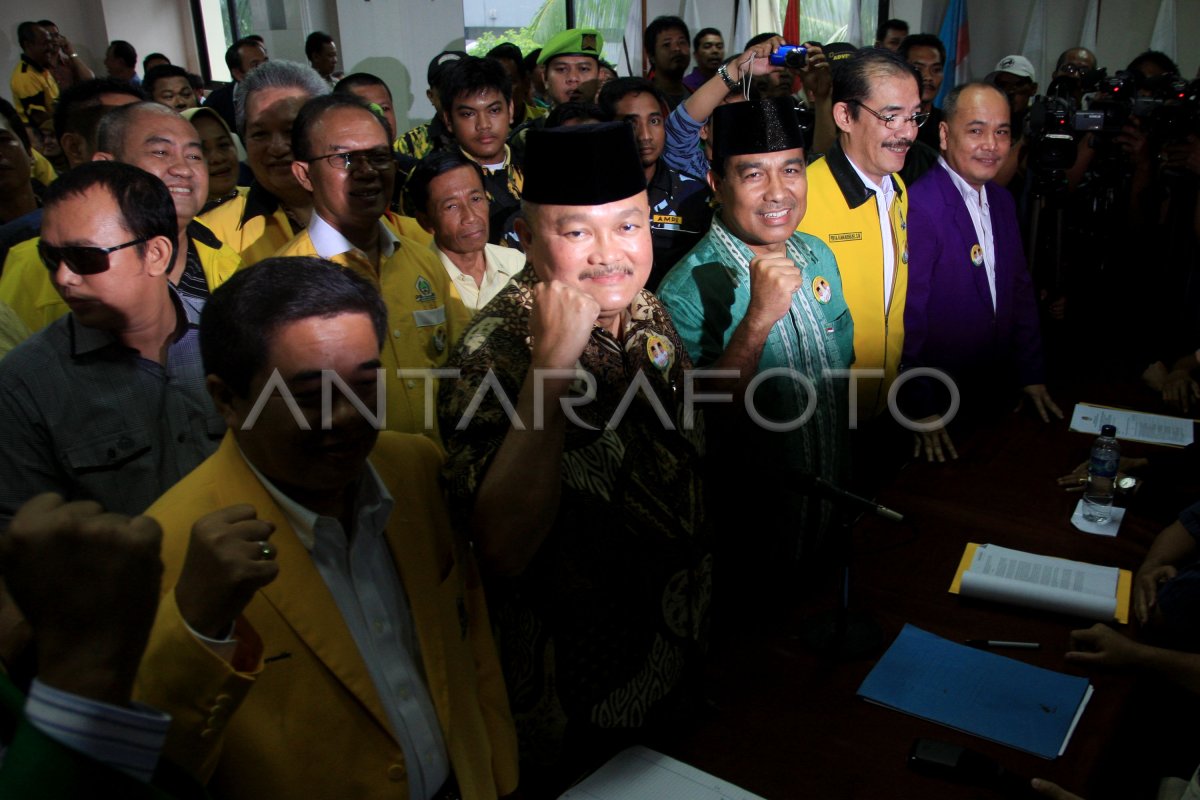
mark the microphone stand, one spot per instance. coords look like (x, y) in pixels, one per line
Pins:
(842, 634)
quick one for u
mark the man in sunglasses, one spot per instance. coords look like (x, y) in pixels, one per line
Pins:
(107, 403)
(160, 141)
(343, 155)
(857, 205)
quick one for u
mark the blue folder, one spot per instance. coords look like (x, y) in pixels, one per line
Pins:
(979, 692)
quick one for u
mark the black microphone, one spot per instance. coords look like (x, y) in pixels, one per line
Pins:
(824, 487)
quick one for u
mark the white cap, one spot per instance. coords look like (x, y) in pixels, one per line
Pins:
(1020, 66)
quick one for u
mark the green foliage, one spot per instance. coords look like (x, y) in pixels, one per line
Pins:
(522, 38)
(609, 16)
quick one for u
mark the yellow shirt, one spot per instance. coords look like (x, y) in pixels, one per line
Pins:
(843, 214)
(34, 90)
(425, 314)
(26, 286)
(253, 224)
(43, 171)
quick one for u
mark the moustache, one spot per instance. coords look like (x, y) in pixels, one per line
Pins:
(603, 272)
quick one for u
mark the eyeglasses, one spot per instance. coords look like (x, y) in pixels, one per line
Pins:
(893, 122)
(1074, 69)
(378, 160)
(81, 259)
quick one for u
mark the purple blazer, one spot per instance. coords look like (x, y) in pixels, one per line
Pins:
(949, 322)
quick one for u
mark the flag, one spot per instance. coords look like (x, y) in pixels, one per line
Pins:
(1091, 26)
(957, 40)
(1163, 38)
(791, 22)
(1034, 47)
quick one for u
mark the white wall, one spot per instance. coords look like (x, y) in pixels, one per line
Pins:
(164, 26)
(151, 26)
(396, 39)
(90, 39)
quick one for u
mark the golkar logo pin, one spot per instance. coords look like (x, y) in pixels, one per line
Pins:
(425, 292)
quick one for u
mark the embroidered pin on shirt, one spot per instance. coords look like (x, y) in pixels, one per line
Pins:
(425, 291)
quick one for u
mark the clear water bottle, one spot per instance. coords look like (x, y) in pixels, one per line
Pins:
(1102, 476)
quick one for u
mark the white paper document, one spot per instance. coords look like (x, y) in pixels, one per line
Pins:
(640, 773)
(1052, 584)
(1134, 426)
(1109, 528)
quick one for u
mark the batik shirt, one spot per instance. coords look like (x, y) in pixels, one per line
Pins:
(602, 624)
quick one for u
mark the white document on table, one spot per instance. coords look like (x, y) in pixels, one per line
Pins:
(1134, 426)
(639, 773)
(1053, 584)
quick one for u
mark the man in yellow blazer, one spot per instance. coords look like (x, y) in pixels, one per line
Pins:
(323, 634)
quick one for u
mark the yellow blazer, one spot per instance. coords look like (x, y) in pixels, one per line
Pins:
(300, 716)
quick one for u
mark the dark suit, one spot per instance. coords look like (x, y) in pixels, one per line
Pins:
(949, 321)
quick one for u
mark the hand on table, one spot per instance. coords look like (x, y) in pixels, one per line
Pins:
(934, 443)
(1042, 403)
(1052, 790)
(1180, 390)
(1145, 589)
(1076, 479)
(1101, 645)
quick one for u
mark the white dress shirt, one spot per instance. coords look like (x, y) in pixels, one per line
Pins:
(885, 195)
(361, 575)
(981, 218)
(500, 264)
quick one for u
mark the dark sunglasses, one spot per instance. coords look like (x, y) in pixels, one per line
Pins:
(80, 259)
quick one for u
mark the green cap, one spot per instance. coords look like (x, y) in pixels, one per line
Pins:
(574, 42)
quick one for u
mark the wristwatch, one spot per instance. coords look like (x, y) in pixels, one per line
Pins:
(730, 82)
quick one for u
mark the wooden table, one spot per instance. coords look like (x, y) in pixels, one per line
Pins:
(787, 723)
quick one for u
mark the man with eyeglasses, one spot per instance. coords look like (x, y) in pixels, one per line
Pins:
(344, 157)
(107, 403)
(857, 206)
(1076, 62)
